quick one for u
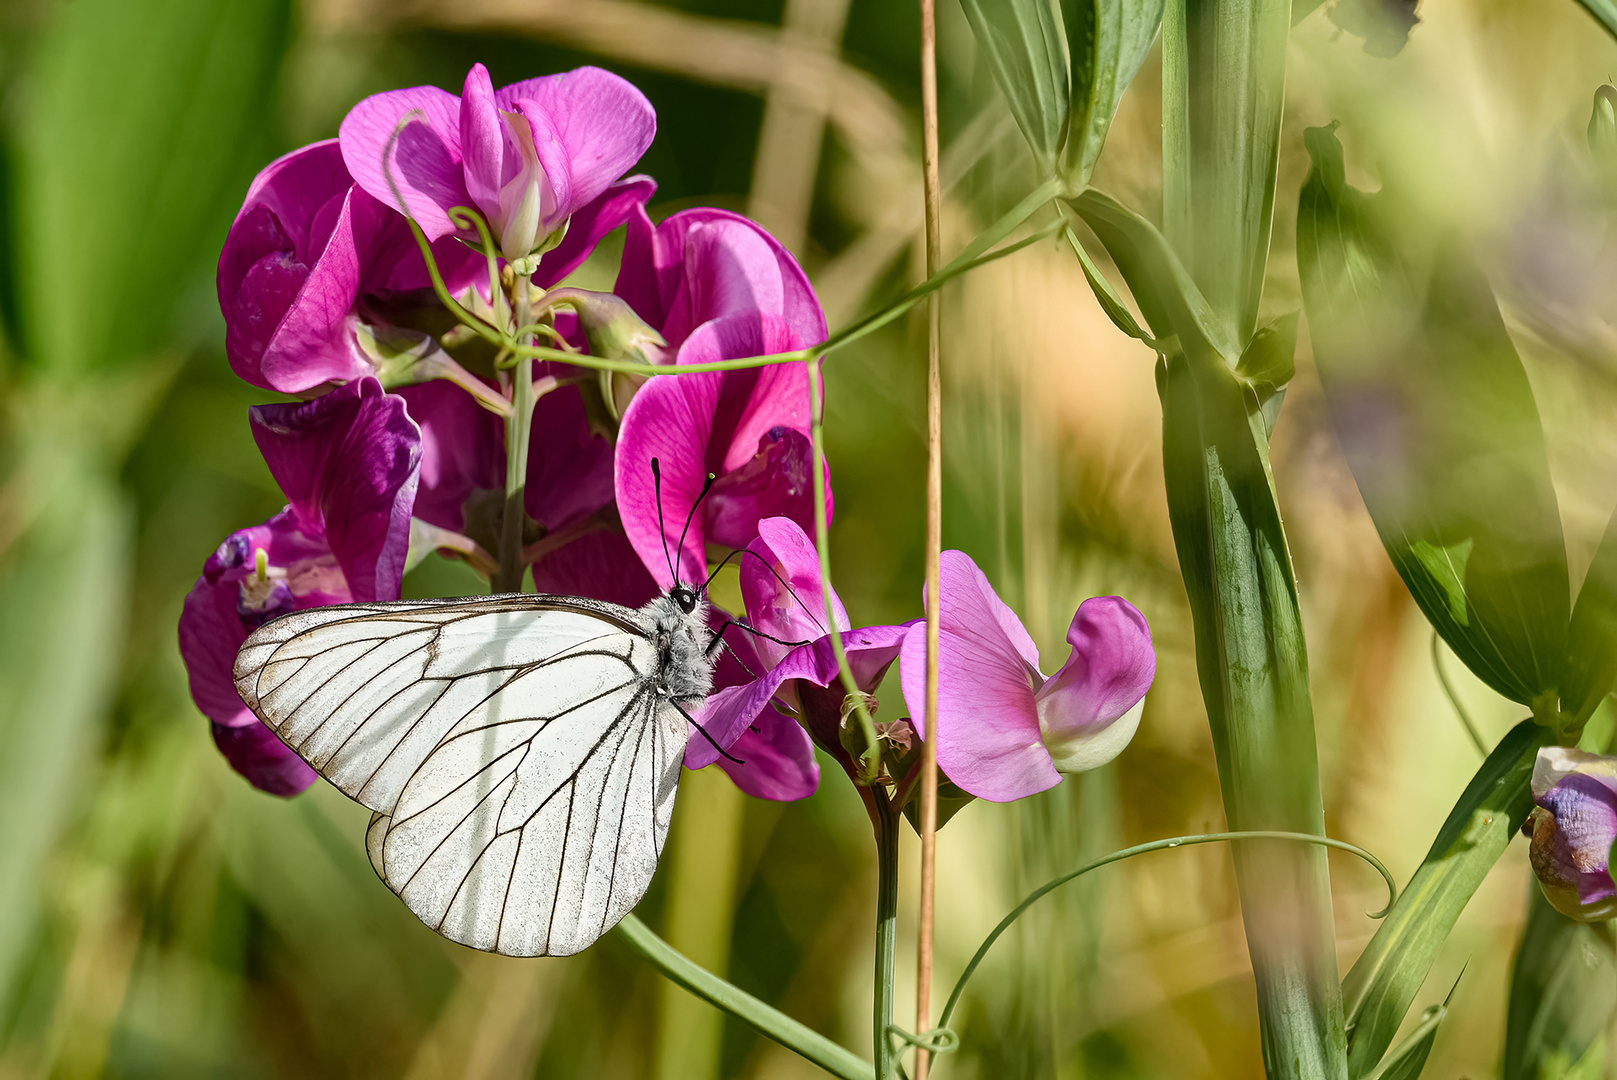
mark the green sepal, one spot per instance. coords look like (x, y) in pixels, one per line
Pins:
(1437, 420)
(1562, 992)
(1383, 982)
(951, 800)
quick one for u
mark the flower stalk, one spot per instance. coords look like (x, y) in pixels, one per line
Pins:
(885, 816)
(518, 426)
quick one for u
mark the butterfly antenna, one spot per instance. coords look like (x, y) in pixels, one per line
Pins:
(707, 485)
(703, 731)
(657, 489)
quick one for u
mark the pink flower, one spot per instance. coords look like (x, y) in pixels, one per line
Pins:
(530, 156)
(753, 717)
(1004, 730)
(348, 463)
(716, 287)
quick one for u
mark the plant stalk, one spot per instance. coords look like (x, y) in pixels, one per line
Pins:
(517, 429)
(884, 816)
(934, 532)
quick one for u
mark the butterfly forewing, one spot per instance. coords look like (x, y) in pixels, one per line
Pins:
(517, 754)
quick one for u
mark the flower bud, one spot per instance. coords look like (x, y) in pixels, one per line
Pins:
(1572, 830)
(610, 325)
(1603, 126)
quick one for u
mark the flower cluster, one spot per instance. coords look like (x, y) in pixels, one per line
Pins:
(397, 445)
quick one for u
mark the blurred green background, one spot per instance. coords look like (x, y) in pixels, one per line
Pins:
(159, 918)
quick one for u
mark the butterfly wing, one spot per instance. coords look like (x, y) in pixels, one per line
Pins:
(519, 760)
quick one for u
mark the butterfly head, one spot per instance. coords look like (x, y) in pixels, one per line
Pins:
(685, 596)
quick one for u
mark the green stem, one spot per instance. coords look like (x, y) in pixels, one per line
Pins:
(1141, 849)
(870, 760)
(517, 428)
(1454, 698)
(884, 816)
(771, 1022)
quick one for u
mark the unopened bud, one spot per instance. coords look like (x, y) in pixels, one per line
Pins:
(1603, 126)
(611, 327)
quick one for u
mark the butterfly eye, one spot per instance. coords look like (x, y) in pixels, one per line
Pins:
(685, 598)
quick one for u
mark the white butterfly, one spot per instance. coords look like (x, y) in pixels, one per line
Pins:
(520, 752)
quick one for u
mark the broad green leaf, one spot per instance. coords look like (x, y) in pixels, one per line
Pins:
(1022, 41)
(145, 124)
(1383, 982)
(1435, 415)
(63, 594)
(1107, 41)
(1562, 993)
(1591, 665)
(1223, 88)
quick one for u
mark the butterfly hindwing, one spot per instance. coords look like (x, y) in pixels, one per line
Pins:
(519, 760)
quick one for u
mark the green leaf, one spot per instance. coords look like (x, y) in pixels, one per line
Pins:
(1562, 992)
(1268, 363)
(1435, 415)
(63, 594)
(1604, 12)
(1107, 41)
(1408, 1058)
(1591, 665)
(1382, 984)
(1253, 667)
(1110, 301)
(1024, 48)
(1223, 88)
(146, 120)
(1168, 298)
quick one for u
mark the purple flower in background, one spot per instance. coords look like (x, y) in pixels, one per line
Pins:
(1572, 829)
(348, 463)
(529, 156)
(781, 588)
(1004, 730)
(304, 246)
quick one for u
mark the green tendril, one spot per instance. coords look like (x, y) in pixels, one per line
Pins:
(465, 217)
(1454, 698)
(1141, 849)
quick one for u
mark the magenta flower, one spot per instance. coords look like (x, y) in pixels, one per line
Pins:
(754, 717)
(1572, 829)
(704, 264)
(716, 287)
(304, 247)
(530, 156)
(348, 463)
(1004, 730)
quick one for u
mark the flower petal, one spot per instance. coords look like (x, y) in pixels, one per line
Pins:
(485, 144)
(255, 752)
(600, 564)
(776, 761)
(590, 223)
(988, 735)
(418, 132)
(603, 125)
(462, 450)
(349, 464)
(569, 463)
(1089, 709)
(704, 264)
(781, 587)
(1573, 831)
